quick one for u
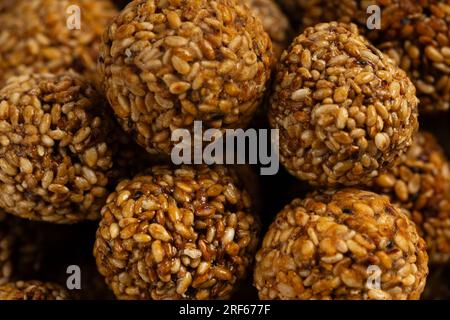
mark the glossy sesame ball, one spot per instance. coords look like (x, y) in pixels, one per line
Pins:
(166, 64)
(344, 110)
(184, 233)
(32, 290)
(43, 36)
(421, 184)
(55, 154)
(348, 244)
(416, 34)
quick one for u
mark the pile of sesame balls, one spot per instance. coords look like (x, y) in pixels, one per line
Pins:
(86, 120)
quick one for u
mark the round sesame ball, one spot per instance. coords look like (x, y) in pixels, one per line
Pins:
(42, 36)
(183, 233)
(414, 33)
(344, 110)
(421, 184)
(166, 64)
(347, 244)
(33, 290)
(55, 154)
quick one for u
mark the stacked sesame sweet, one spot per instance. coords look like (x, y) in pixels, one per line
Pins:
(87, 118)
(166, 64)
(322, 246)
(178, 233)
(343, 108)
(51, 36)
(414, 33)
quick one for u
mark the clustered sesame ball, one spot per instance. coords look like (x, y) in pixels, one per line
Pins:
(35, 36)
(421, 184)
(338, 245)
(344, 109)
(54, 153)
(32, 290)
(183, 233)
(414, 33)
(166, 64)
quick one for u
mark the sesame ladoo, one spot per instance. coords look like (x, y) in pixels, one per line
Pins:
(413, 33)
(345, 111)
(165, 64)
(183, 233)
(33, 290)
(38, 36)
(421, 184)
(55, 155)
(347, 244)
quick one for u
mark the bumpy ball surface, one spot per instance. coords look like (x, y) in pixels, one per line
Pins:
(54, 155)
(32, 290)
(166, 64)
(335, 245)
(421, 184)
(39, 35)
(416, 34)
(345, 111)
(186, 233)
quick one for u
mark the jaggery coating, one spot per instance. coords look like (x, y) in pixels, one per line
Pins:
(421, 184)
(415, 34)
(338, 245)
(165, 64)
(41, 36)
(33, 290)
(183, 233)
(273, 19)
(345, 111)
(55, 154)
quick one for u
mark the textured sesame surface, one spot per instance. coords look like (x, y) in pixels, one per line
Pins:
(187, 233)
(34, 36)
(32, 290)
(414, 33)
(322, 246)
(421, 184)
(54, 155)
(166, 64)
(345, 111)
